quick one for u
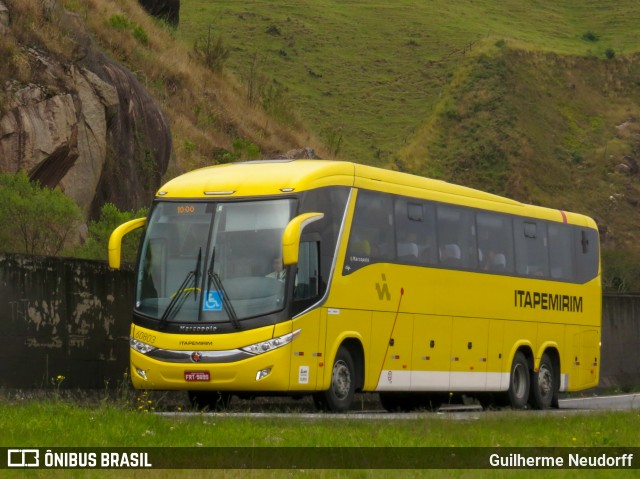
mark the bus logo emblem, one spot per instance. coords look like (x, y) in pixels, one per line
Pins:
(196, 357)
(383, 290)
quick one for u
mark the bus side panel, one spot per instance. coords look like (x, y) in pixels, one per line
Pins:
(469, 354)
(307, 351)
(497, 370)
(431, 354)
(391, 344)
(582, 359)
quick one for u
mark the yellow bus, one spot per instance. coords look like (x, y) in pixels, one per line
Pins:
(329, 278)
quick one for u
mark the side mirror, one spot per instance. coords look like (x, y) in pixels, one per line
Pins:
(291, 236)
(115, 240)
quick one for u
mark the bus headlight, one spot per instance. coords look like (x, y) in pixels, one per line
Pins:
(272, 344)
(139, 346)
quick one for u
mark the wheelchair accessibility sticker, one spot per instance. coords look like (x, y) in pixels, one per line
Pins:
(212, 301)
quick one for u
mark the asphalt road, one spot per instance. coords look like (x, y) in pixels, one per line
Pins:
(610, 403)
(371, 410)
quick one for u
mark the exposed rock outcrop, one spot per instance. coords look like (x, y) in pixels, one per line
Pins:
(302, 153)
(88, 126)
(168, 10)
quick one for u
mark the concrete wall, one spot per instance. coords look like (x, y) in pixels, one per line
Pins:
(68, 317)
(61, 316)
(620, 364)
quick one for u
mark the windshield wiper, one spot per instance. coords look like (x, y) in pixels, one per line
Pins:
(226, 302)
(183, 292)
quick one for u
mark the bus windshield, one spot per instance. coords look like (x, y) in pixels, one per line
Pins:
(213, 261)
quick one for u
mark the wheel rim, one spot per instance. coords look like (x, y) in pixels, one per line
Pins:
(519, 381)
(341, 379)
(545, 381)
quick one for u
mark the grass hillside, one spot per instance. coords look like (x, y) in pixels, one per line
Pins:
(539, 101)
(372, 72)
(211, 119)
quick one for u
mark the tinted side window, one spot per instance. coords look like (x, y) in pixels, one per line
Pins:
(586, 247)
(415, 232)
(456, 237)
(532, 256)
(495, 242)
(560, 254)
(372, 232)
(331, 201)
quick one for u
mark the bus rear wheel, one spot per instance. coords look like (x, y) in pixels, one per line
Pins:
(519, 382)
(543, 384)
(339, 396)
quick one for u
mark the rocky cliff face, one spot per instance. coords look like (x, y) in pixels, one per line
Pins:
(87, 126)
(168, 10)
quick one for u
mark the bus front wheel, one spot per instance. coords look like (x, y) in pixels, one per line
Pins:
(339, 396)
(519, 382)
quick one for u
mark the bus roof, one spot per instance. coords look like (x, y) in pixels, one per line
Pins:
(282, 177)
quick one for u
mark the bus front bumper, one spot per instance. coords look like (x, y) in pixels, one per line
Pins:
(264, 372)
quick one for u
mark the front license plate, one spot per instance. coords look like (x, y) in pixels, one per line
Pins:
(197, 376)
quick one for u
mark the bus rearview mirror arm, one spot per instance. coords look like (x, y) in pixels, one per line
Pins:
(115, 240)
(291, 236)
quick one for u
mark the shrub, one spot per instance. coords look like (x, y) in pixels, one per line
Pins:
(620, 271)
(119, 22)
(140, 35)
(213, 52)
(590, 37)
(245, 150)
(122, 23)
(34, 220)
(95, 247)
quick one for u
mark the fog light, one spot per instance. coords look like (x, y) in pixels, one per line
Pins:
(263, 374)
(142, 373)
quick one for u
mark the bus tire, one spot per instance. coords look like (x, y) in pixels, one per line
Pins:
(519, 382)
(339, 396)
(543, 384)
(210, 400)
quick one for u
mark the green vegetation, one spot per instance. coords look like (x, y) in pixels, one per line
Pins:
(539, 102)
(43, 221)
(377, 70)
(57, 423)
(95, 247)
(211, 51)
(35, 220)
(536, 102)
(30, 423)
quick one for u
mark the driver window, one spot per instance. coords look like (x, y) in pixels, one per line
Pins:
(307, 285)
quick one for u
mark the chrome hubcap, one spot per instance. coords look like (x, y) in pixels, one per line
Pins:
(545, 382)
(341, 379)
